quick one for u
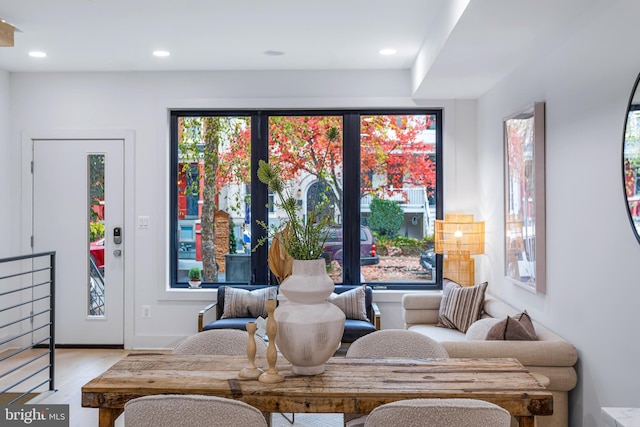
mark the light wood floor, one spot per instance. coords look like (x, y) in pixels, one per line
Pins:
(76, 367)
(73, 369)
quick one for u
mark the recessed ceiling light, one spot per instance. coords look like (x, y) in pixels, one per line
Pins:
(387, 51)
(273, 52)
(161, 53)
(37, 54)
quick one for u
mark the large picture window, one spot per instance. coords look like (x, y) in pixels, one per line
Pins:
(380, 181)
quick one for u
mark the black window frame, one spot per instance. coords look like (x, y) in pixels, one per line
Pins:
(259, 193)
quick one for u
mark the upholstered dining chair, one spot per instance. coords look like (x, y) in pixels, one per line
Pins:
(439, 413)
(396, 343)
(391, 343)
(229, 342)
(172, 410)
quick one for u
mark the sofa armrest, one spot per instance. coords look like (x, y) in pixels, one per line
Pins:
(376, 315)
(206, 312)
(423, 301)
(419, 309)
(529, 353)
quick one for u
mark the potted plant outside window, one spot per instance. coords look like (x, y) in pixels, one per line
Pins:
(195, 277)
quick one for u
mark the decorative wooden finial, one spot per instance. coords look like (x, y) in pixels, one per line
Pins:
(271, 376)
(251, 372)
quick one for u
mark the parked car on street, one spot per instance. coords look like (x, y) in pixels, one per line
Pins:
(428, 259)
(368, 250)
(96, 249)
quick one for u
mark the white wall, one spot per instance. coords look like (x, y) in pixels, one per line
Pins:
(592, 254)
(140, 102)
(5, 183)
(5, 161)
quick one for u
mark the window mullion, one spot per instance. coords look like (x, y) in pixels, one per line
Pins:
(351, 199)
(259, 197)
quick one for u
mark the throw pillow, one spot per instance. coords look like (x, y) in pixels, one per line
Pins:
(479, 329)
(519, 328)
(351, 302)
(460, 306)
(243, 303)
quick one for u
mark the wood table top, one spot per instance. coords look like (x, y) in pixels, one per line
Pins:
(348, 385)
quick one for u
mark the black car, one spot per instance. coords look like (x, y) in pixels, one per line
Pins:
(428, 259)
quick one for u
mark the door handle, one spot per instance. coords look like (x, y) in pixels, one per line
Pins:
(117, 253)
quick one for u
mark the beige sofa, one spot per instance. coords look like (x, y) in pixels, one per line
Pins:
(550, 355)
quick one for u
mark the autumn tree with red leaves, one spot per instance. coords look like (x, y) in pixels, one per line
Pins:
(394, 154)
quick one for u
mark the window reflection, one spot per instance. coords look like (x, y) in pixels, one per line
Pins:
(632, 165)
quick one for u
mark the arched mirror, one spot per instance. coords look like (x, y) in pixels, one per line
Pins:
(631, 159)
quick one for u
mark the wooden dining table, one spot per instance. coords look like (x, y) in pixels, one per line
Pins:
(348, 385)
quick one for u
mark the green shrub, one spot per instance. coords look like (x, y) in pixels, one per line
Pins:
(386, 217)
(232, 238)
(383, 243)
(96, 230)
(408, 245)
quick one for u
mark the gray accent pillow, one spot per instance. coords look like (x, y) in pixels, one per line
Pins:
(518, 328)
(243, 303)
(460, 306)
(351, 302)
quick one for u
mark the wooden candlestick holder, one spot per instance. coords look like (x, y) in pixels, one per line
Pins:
(271, 376)
(250, 371)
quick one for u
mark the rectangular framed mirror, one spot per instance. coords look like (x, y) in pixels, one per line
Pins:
(524, 203)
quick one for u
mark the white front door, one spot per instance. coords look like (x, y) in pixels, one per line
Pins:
(76, 183)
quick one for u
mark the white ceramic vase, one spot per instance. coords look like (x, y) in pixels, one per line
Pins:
(309, 327)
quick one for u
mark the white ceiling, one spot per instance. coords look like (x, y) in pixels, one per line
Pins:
(454, 48)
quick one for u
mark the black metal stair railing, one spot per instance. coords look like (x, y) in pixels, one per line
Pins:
(27, 328)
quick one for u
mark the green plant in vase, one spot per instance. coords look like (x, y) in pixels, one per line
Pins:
(313, 326)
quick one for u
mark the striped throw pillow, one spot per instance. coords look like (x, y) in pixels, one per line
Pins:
(243, 303)
(352, 302)
(460, 306)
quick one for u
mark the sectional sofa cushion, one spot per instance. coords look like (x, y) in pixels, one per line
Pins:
(460, 306)
(479, 329)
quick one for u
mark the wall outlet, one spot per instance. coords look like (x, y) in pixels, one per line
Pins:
(146, 312)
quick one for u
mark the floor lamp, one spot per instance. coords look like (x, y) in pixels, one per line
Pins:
(458, 237)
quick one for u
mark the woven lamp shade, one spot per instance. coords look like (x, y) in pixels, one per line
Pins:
(459, 233)
(459, 237)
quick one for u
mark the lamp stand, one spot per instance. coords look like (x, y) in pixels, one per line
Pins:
(459, 267)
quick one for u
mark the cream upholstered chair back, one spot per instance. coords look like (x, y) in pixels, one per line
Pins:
(439, 413)
(396, 343)
(171, 410)
(391, 343)
(229, 342)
